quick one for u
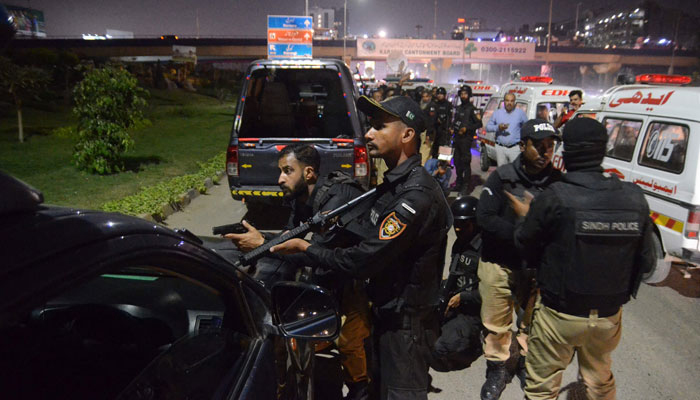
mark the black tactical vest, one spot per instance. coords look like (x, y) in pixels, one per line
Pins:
(591, 261)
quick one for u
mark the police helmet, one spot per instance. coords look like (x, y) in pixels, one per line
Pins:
(466, 88)
(464, 207)
(441, 90)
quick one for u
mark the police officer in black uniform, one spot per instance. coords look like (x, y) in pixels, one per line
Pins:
(466, 122)
(459, 343)
(505, 285)
(593, 238)
(403, 251)
(307, 194)
(441, 114)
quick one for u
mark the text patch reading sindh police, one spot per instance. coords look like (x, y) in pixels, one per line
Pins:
(608, 224)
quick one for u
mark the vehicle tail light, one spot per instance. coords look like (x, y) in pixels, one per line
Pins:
(692, 225)
(232, 161)
(663, 79)
(536, 79)
(361, 162)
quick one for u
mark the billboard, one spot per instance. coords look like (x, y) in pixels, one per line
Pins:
(488, 50)
(410, 48)
(27, 21)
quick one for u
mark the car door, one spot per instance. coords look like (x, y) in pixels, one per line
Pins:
(140, 316)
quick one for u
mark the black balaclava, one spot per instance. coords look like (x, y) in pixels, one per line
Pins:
(584, 144)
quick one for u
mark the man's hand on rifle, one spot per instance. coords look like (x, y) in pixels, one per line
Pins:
(247, 241)
(291, 246)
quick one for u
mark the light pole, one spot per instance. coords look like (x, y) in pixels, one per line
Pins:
(576, 22)
(345, 25)
(549, 33)
(435, 21)
(306, 8)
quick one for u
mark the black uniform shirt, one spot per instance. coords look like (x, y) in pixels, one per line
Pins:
(496, 217)
(465, 117)
(406, 235)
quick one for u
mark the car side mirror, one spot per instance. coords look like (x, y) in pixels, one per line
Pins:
(304, 311)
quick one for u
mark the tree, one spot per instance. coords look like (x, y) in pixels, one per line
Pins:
(108, 103)
(21, 83)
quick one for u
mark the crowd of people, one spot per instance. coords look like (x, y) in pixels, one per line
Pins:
(537, 244)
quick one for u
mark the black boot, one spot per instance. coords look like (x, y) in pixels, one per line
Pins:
(357, 391)
(496, 379)
(521, 372)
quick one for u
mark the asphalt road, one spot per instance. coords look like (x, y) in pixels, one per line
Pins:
(655, 360)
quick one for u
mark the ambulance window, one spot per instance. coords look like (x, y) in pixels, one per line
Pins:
(664, 147)
(488, 111)
(622, 137)
(522, 106)
(551, 110)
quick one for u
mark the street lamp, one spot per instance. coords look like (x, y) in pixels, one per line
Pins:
(576, 22)
(382, 33)
(345, 26)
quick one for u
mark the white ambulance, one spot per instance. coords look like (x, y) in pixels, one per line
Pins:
(654, 142)
(532, 93)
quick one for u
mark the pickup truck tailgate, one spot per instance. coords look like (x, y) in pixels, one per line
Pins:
(257, 158)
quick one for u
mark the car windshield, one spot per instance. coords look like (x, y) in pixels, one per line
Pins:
(295, 102)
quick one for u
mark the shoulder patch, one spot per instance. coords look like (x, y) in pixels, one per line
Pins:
(391, 227)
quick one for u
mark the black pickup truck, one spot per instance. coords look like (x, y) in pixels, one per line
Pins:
(290, 101)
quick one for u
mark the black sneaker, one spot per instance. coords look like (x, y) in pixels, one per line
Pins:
(496, 379)
(357, 391)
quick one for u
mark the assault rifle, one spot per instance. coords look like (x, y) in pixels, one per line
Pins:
(319, 220)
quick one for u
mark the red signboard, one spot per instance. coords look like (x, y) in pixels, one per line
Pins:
(290, 36)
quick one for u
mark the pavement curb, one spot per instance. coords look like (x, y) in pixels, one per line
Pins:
(168, 209)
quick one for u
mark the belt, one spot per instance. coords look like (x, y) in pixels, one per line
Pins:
(507, 146)
(580, 312)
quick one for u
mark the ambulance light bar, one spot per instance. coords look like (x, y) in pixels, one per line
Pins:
(663, 79)
(537, 79)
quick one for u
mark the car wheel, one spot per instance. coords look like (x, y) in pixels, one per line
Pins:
(661, 268)
(484, 160)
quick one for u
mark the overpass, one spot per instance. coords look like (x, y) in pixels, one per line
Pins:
(249, 49)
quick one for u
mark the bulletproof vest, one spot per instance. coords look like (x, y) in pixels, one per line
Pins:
(516, 186)
(593, 253)
(419, 286)
(465, 267)
(335, 177)
(442, 112)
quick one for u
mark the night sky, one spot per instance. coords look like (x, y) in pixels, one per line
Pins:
(239, 18)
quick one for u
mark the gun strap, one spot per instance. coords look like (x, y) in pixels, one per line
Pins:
(364, 206)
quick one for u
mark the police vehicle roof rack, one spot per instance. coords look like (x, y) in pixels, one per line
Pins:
(17, 196)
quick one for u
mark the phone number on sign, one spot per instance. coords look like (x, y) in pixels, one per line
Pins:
(486, 49)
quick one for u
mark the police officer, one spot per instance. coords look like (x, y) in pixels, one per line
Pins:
(308, 194)
(459, 343)
(441, 114)
(403, 251)
(593, 237)
(503, 281)
(466, 122)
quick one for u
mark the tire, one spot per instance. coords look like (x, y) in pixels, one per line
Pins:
(661, 268)
(484, 160)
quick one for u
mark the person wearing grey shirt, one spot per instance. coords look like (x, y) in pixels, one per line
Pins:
(506, 123)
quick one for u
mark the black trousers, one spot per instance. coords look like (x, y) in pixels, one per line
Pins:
(404, 355)
(463, 159)
(442, 138)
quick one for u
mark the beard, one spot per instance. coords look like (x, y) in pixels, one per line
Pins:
(294, 192)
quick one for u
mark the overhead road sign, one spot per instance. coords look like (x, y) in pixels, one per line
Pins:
(289, 36)
(288, 22)
(289, 51)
